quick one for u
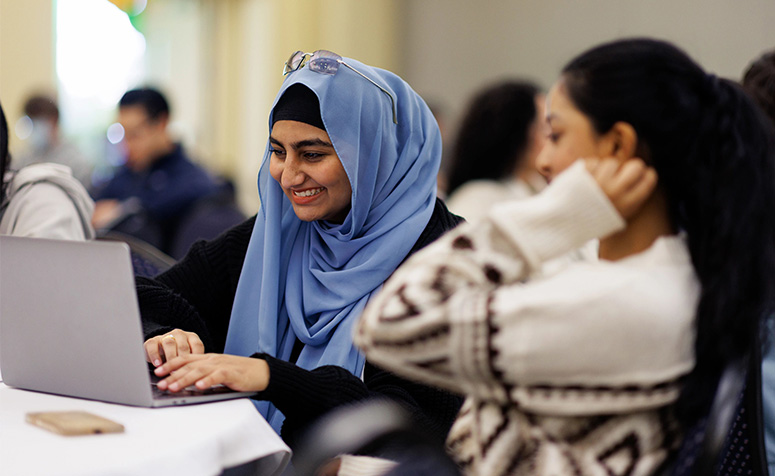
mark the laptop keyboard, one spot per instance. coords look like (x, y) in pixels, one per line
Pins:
(190, 391)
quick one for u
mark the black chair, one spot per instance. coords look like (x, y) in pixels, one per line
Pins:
(206, 219)
(730, 440)
(703, 443)
(135, 222)
(744, 453)
(376, 428)
(147, 261)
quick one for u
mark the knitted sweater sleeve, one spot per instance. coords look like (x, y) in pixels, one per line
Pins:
(197, 294)
(468, 313)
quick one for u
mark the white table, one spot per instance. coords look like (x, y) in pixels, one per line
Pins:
(194, 440)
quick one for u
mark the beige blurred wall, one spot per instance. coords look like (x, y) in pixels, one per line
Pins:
(26, 53)
(453, 47)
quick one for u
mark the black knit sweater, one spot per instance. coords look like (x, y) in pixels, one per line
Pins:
(197, 294)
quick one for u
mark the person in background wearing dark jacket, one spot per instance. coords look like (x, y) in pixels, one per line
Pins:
(158, 179)
(348, 190)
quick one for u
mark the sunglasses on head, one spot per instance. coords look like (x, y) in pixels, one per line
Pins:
(326, 62)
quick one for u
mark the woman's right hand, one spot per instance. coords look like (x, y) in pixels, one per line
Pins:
(628, 184)
(167, 346)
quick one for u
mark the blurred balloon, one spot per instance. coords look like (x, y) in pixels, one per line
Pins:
(131, 7)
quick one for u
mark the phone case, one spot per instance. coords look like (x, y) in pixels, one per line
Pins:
(71, 423)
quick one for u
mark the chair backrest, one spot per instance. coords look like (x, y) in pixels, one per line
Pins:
(206, 219)
(147, 261)
(723, 413)
(730, 440)
(744, 453)
(372, 427)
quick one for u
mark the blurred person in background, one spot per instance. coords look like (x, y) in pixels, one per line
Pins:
(759, 82)
(45, 142)
(493, 157)
(439, 113)
(158, 181)
(41, 200)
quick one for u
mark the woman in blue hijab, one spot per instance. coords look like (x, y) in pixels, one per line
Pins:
(348, 190)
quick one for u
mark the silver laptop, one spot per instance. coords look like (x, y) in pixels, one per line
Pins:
(70, 324)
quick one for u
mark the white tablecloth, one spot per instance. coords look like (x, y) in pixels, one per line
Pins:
(193, 440)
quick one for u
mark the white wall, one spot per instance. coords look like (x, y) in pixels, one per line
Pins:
(452, 47)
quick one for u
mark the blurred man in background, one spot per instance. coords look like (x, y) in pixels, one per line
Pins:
(158, 183)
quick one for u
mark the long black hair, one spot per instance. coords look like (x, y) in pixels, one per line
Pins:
(5, 159)
(494, 133)
(713, 151)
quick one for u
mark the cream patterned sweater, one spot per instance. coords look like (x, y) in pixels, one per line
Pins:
(572, 373)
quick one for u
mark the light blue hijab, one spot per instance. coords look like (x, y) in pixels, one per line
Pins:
(311, 280)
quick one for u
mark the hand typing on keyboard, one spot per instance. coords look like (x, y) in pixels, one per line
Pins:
(190, 391)
(203, 371)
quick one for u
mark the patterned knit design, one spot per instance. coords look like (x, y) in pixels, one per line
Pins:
(501, 441)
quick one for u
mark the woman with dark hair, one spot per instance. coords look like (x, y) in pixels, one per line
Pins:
(604, 363)
(41, 200)
(493, 158)
(348, 190)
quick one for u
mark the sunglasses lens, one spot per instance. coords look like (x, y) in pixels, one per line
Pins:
(325, 62)
(324, 65)
(326, 54)
(295, 60)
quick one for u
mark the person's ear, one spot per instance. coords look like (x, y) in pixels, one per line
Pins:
(620, 142)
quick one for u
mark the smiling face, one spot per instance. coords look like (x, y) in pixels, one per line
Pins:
(306, 166)
(570, 134)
